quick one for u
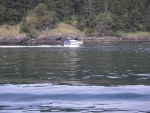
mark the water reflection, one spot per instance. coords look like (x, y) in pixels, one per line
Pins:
(96, 65)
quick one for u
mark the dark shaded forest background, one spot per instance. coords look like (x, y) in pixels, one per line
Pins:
(96, 17)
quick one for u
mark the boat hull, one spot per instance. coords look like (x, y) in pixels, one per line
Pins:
(72, 43)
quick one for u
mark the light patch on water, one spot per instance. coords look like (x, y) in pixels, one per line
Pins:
(142, 75)
(142, 79)
(98, 76)
(114, 77)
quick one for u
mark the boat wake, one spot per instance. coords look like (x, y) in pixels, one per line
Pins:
(38, 46)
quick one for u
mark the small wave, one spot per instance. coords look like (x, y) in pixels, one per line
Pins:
(72, 93)
(27, 97)
(63, 98)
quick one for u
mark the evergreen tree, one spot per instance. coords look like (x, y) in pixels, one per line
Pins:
(90, 12)
(128, 15)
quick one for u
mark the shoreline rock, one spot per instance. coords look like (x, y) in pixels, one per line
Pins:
(116, 40)
(56, 39)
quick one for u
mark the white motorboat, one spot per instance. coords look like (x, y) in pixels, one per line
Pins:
(72, 43)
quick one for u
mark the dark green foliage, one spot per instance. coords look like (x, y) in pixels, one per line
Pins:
(25, 26)
(103, 24)
(91, 15)
(38, 19)
(2, 14)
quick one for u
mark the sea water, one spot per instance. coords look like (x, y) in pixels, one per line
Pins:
(87, 79)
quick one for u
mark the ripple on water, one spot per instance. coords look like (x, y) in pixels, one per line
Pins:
(64, 98)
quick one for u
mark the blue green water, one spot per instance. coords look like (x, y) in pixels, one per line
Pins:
(87, 79)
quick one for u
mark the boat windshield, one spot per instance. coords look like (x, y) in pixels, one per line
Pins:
(67, 42)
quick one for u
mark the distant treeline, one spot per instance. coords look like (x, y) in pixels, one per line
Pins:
(97, 17)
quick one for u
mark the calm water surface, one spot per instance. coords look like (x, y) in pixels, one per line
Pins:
(88, 79)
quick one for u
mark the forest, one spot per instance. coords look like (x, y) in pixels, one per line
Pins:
(94, 17)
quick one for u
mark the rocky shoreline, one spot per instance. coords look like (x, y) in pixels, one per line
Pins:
(56, 39)
(116, 40)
